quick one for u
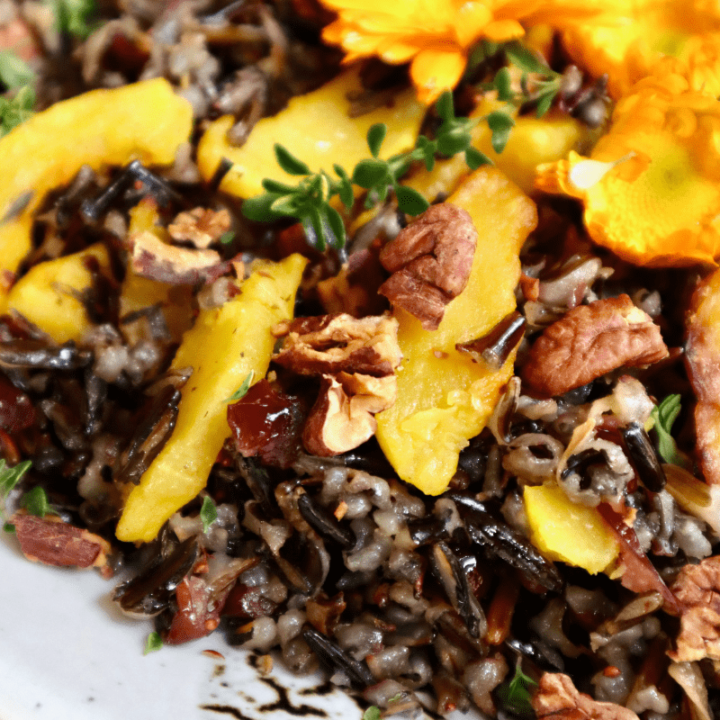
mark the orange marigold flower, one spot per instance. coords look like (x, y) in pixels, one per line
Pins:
(436, 35)
(688, 30)
(651, 187)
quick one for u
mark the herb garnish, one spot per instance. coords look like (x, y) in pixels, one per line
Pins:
(309, 200)
(228, 237)
(242, 390)
(208, 513)
(664, 415)
(36, 502)
(11, 476)
(515, 695)
(15, 111)
(372, 713)
(154, 642)
(14, 72)
(72, 17)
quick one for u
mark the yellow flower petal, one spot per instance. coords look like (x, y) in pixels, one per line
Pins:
(436, 70)
(400, 31)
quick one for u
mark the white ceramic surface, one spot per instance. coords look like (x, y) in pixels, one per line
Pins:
(66, 653)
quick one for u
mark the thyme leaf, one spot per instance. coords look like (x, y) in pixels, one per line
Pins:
(242, 390)
(515, 694)
(208, 513)
(15, 111)
(664, 415)
(36, 502)
(153, 643)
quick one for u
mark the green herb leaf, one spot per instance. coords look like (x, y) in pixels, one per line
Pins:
(36, 502)
(289, 205)
(454, 142)
(664, 416)
(503, 84)
(500, 124)
(154, 642)
(545, 103)
(474, 158)
(73, 17)
(15, 111)
(395, 698)
(315, 230)
(289, 163)
(242, 390)
(372, 713)
(227, 237)
(526, 59)
(410, 201)
(369, 173)
(273, 186)
(515, 695)
(208, 513)
(8, 527)
(344, 187)
(337, 226)
(11, 476)
(444, 106)
(376, 135)
(258, 208)
(14, 72)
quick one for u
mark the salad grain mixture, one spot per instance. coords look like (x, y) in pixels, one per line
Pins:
(383, 338)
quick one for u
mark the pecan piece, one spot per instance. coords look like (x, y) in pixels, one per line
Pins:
(356, 359)
(430, 261)
(330, 344)
(559, 699)
(702, 357)
(153, 259)
(343, 416)
(51, 541)
(590, 341)
(200, 226)
(698, 589)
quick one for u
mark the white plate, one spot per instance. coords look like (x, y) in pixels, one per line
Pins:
(67, 653)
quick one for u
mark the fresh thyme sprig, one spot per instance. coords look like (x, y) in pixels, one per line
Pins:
(309, 200)
(16, 110)
(515, 694)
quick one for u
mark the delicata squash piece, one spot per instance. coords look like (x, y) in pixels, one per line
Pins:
(444, 397)
(144, 121)
(317, 127)
(567, 531)
(533, 141)
(224, 347)
(49, 295)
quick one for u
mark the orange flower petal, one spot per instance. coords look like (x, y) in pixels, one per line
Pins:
(503, 30)
(661, 207)
(435, 70)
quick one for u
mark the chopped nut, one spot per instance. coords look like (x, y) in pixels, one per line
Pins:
(51, 541)
(698, 590)
(702, 357)
(153, 259)
(430, 261)
(333, 343)
(200, 226)
(343, 415)
(558, 698)
(356, 359)
(590, 341)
